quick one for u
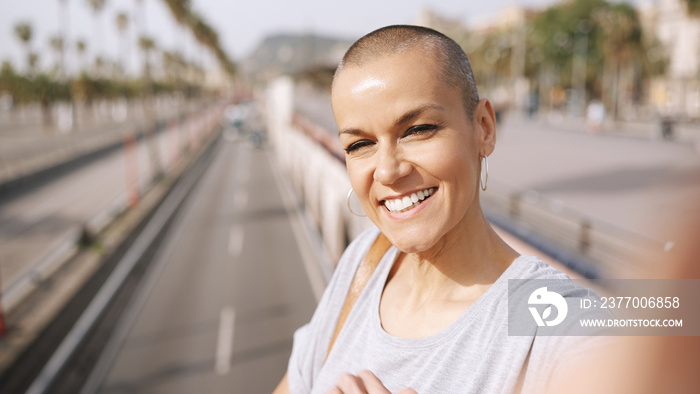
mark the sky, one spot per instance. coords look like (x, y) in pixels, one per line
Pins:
(241, 25)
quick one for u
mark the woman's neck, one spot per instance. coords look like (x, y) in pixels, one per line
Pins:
(471, 256)
(426, 292)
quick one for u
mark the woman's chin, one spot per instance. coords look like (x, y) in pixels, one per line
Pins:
(411, 243)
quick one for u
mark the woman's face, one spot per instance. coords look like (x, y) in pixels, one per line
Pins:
(412, 151)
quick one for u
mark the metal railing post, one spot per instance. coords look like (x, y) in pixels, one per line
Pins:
(584, 236)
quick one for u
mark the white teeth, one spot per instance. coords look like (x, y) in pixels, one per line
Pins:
(407, 202)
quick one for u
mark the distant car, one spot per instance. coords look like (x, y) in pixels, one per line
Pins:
(237, 115)
(243, 124)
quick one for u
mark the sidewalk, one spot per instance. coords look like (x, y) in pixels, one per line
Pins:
(20, 157)
(686, 133)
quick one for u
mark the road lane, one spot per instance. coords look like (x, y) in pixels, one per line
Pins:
(33, 225)
(233, 289)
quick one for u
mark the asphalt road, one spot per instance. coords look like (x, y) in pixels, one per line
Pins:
(229, 289)
(35, 224)
(32, 225)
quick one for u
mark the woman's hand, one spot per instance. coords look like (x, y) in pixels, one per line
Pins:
(364, 383)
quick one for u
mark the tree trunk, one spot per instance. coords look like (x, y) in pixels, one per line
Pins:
(46, 113)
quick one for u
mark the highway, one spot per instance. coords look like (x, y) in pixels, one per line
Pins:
(645, 182)
(228, 289)
(235, 275)
(52, 216)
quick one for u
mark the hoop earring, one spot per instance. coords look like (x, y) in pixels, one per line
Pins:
(350, 207)
(484, 179)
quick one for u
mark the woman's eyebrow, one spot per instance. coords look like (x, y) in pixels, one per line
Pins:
(351, 131)
(410, 115)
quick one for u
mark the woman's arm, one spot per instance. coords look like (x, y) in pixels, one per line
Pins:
(283, 386)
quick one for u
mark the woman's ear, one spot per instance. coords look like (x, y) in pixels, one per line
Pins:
(485, 120)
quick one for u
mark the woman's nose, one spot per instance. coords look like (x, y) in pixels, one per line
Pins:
(390, 166)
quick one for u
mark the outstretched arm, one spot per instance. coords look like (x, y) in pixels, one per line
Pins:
(283, 386)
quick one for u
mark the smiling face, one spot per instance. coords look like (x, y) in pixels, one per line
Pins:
(412, 151)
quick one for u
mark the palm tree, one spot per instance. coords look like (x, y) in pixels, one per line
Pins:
(24, 33)
(33, 61)
(122, 21)
(621, 44)
(96, 6)
(147, 45)
(80, 47)
(180, 10)
(203, 33)
(63, 23)
(99, 67)
(56, 43)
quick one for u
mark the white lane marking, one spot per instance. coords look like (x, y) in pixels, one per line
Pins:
(224, 344)
(240, 199)
(235, 241)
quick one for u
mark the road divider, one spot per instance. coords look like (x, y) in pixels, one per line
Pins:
(235, 241)
(224, 342)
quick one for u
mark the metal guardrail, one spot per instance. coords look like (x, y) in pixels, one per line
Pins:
(606, 249)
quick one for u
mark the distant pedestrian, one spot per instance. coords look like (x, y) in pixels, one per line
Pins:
(595, 116)
(667, 127)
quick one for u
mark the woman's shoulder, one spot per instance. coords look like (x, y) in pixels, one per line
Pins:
(528, 272)
(533, 267)
(350, 260)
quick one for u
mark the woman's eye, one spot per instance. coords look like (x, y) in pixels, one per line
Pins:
(423, 128)
(357, 145)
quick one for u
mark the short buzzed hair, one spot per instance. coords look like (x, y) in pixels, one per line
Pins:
(455, 69)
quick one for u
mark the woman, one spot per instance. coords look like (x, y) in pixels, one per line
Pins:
(433, 316)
